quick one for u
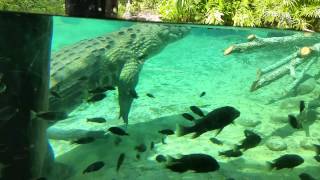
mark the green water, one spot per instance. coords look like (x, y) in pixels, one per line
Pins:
(176, 77)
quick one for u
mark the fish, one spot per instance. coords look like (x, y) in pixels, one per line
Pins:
(150, 95)
(118, 131)
(133, 94)
(101, 89)
(317, 149)
(231, 153)
(55, 94)
(301, 106)
(161, 158)
(94, 167)
(305, 176)
(138, 156)
(3, 88)
(50, 115)
(96, 97)
(166, 132)
(97, 120)
(188, 116)
(83, 78)
(199, 163)
(141, 147)
(216, 141)
(83, 140)
(252, 140)
(202, 94)
(286, 161)
(197, 110)
(151, 145)
(120, 161)
(293, 121)
(218, 119)
(317, 158)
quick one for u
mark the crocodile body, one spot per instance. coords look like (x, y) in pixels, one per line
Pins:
(115, 59)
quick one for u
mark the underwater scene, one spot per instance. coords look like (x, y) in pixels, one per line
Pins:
(180, 101)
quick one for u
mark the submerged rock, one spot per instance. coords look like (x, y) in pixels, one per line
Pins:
(306, 87)
(276, 143)
(246, 122)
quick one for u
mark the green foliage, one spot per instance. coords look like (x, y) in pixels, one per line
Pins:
(34, 6)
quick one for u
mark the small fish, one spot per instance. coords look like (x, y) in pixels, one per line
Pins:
(301, 106)
(217, 119)
(101, 89)
(3, 88)
(83, 140)
(83, 78)
(160, 158)
(150, 95)
(196, 162)
(216, 141)
(141, 147)
(55, 94)
(197, 110)
(97, 120)
(293, 121)
(138, 156)
(120, 161)
(96, 97)
(166, 132)
(305, 176)
(202, 94)
(188, 116)
(151, 145)
(286, 161)
(51, 115)
(317, 158)
(231, 153)
(118, 131)
(252, 140)
(94, 167)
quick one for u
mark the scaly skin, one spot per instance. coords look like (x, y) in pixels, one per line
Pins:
(115, 59)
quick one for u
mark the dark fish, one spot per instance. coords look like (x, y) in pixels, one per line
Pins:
(317, 158)
(305, 176)
(141, 148)
(150, 95)
(196, 110)
(101, 89)
(55, 94)
(196, 162)
(293, 121)
(51, 115)
(151, 145)
(83, 78)
(133, 94)
(84, 140)
(160, 158)
(286, 161)
(166, 132)
(301, 106)
(94, 167)
(216, 119)
(216, 141)
(97, 120)
(120, 161)
(3, 88)
(231, 153)
(96, 97)
(118, 131)
(202, 94)
(138, 156)
(252, 140)
(188, 116)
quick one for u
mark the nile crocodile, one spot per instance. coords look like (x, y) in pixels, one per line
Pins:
(114, 59)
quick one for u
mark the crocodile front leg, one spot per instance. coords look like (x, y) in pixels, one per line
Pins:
(128, 80)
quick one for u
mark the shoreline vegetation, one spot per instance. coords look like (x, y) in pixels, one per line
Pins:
(283, 14)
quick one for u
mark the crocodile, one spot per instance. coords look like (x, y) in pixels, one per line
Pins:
(114, 59)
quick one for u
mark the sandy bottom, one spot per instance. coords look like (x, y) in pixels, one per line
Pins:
(176, 77)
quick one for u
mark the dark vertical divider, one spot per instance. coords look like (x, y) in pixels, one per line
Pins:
(25, 44)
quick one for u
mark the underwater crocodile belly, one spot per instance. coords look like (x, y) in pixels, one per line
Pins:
(115, 59)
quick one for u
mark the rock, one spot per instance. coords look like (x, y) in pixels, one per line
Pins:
(279, 118)
(306, 87)
(308, 143)
(276, 143)
(248, 122)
